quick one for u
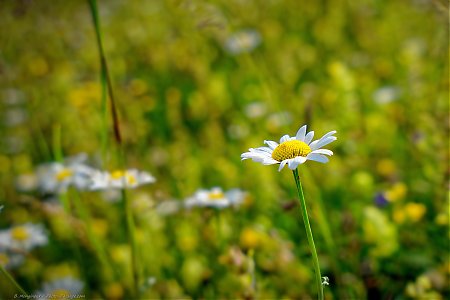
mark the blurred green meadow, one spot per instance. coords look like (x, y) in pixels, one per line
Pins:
(196, 84)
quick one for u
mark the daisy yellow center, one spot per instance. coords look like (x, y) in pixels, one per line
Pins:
(63, 174)
(20, 234)
(131, 179)
(216, 195)
(117, 174)
(60, 294)
(290, 149)
(4, 259)
(120, 174)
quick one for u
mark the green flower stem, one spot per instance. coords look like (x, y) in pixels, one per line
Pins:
(312, 247)
(132, 240)
(12, 280)
(105, 79)
(97, 244)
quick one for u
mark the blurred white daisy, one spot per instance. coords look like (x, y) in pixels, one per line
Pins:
(168, 207)
(255, 110)
(216, 198)
(292, 151)
(111, 195)
(10, 260)
(14, 117)
(57, 177)
(279, 119)
(64, 288)
(13, 97)
(386, 94)
(120, 179)
(23, 237)
(242, 41)
(26, 182)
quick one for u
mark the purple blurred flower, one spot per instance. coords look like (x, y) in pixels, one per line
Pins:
(380, 200)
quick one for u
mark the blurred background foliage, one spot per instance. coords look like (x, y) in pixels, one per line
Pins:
(190, 103)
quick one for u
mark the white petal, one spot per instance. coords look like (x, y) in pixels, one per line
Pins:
(253, 156)
(272, 145)
(293, 164)
(322, 142)
(269, 161)
(264, 149)
(261, 157)
(300, 159)
(322, 151)
(317, 157)
(145, 177)
(301, 133)
(328, 134)
(284, 138)
(309, 137)
(282, 164)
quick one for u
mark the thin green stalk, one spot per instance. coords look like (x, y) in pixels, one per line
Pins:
(107, 86)
(56, 143)
(325, 229)
(312, 246)
(132, 240)
(58, 156)
(218, 228)
(105, 77)
(12, 280)
(96, 243)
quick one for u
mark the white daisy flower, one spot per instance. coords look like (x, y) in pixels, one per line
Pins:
(236, 196)
(215, 198)
(26, 182)
(10, 260)
(23, 237)
(64, 288)
(292, 151)
(242, 41)
(57, 177)
(111, 195)
(168, 207)
(120, 179)
(386, 94)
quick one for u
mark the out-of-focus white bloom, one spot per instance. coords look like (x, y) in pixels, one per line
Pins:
(111, 195)
(216, 198)
(292, 151)
(255, 110)
(26, 182)
(237, 131)
(64, 288)
(23, 237)
(148, 283)
(57, 177)
(386, 94)
(13, 144)
(279, 119)
(242, 41)
(13, 97)
(168, 207)
(10, 260)
(14, 117)
(236, 196)
(120, 179)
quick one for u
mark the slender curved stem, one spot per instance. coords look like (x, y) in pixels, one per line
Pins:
(131, 228)
(312, 247)
(12, 280)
